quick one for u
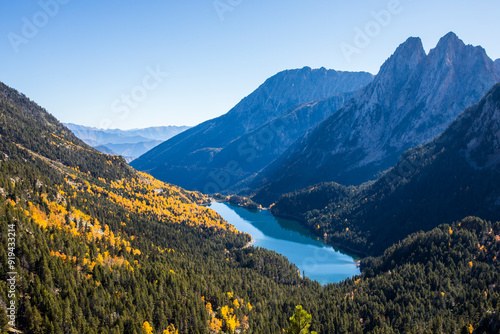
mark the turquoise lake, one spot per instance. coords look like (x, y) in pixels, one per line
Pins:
(319, 261)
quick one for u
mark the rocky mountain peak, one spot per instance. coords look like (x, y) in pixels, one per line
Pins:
(449, 40)
(446, 51)
(195, 157)
(406, 58)
(455, 53)
(291, 87)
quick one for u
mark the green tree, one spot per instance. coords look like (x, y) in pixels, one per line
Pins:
(300, 322)
(3, 320)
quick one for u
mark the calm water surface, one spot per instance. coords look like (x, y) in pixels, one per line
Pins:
(288, 237)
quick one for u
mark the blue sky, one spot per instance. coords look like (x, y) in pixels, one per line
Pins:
(128, 64)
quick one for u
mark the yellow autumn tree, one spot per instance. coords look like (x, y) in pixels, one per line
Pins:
(171, 330)
(232, 323)
(209, 308)
(235, 303)
(224, 311)
(146, 327)
(214, 325)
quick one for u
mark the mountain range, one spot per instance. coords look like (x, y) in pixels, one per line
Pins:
(128, 143)
(221, 152)
(412, 99)
(303, 127)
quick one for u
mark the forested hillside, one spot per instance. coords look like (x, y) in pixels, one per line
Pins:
(101, 248)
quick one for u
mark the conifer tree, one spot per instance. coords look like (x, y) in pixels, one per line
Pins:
(300, 322)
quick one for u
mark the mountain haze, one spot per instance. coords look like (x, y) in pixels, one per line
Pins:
(127, 143)
(197, 157)
(412, 99)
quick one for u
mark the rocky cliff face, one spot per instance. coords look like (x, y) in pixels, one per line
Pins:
(214, 155)
(413, 98)
(293, 87)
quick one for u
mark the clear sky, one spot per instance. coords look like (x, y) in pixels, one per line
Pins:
(128, 64)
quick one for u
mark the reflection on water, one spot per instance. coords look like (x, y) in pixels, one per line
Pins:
(288, 237)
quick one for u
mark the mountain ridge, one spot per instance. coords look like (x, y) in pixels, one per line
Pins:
(393, 113)
(190, 159)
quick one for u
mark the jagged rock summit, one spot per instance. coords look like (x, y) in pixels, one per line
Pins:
(413, 98)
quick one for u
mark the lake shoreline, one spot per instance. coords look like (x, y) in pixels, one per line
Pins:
(356, 254)
(288, 237)
(250, 243)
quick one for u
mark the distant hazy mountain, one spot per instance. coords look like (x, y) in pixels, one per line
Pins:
(455, 175)
(497, 63)
(256, 149)
(104, 149)
(412, 99)
(223, 151)
(127, 143)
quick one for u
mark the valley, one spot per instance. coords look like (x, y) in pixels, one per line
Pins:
(236, 224)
